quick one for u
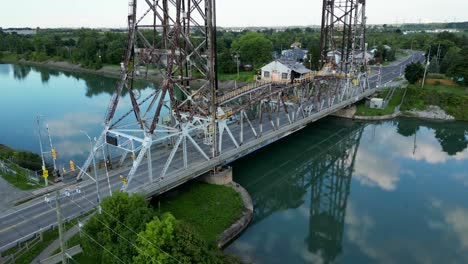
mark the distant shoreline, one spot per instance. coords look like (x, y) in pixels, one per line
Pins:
(67, 66)
(105, 71)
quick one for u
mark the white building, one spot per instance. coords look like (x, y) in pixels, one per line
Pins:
(281, 70)
(361, 57)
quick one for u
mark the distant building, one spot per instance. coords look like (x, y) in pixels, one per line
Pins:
(363, 58)
(296, 45)
(334, 57)
(20, 31)
(296, 54)
(284, 71)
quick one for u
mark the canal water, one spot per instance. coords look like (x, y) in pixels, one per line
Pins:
(337, 191)
(341, 191)
(68, 102)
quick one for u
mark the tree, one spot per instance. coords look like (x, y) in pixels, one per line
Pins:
(226, 63)
(117, 228)
(459, 68)
(154, 242)
(449, 59)
(166, 240)
(254, 48)
(414, 72)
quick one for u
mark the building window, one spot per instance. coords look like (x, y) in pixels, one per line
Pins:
(266, 74)
(284, 76)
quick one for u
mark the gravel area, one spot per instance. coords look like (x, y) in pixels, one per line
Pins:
(9, 194)
(432, 112)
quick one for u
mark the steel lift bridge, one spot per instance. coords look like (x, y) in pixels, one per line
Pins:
(187, 127)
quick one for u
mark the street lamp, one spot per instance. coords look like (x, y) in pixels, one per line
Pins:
(95, 170)
(237, 56)
(42, 150)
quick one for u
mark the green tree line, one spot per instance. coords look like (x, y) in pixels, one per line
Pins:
(94, 48)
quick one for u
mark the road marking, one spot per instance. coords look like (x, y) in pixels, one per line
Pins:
(26, 221)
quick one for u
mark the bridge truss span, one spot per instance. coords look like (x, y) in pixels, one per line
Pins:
(186, 126)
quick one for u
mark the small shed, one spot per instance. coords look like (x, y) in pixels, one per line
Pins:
(376, 103)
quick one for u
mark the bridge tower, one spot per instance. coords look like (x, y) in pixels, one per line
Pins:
(329, 197)
(178, 40)
(343, 33)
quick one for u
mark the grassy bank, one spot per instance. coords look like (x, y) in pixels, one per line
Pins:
(8, 58)
(16, 174)
(364, 110)
(21, 179)
(210, 209)
(243, 77)
(452, 99)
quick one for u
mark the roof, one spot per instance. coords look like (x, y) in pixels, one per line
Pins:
(296, 54)
(359, 55)
(291, 64)
(296, 44)
(295, 66)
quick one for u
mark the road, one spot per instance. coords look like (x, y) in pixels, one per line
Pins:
(24, 221)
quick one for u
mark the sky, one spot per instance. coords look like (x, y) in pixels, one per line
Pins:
(238, 13)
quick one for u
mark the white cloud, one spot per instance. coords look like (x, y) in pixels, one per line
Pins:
(71, 124)
(457, 219)
(375, 170)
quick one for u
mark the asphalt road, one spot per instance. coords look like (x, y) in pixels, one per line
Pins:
(26, 220)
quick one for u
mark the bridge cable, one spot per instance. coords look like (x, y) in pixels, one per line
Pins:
(108, 251)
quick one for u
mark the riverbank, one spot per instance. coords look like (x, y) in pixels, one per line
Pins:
(114, 71)
(433, 102)
(209, 209)
(241, 224)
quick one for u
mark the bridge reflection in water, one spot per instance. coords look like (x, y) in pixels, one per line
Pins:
(318, 174)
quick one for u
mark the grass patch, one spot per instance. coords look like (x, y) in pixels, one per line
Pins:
(210, 209)
(457, 90)
(452, 99)
(363, 110)
(7, 57)
(48, 237)
(243, 76)
(401, 54)
(21, 179)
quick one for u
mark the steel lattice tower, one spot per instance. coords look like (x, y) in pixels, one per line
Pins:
(343, 33)
(179, 38)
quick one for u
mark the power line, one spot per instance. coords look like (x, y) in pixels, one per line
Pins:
(136, 233)
(70, 257)
(130, 242)
(108, 251)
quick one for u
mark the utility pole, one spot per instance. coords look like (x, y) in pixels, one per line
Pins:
(380, 75)
(238, 66)
(42, 150)
(60, 227)
(53, 153)
(427, 66)
(107, 171)
(95, 171)
(57, 198)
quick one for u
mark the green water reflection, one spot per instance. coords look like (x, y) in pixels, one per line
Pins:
(348, 192)
(68, 101)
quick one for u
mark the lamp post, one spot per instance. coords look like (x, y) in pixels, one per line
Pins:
(95, 170)
(237, 56)
(42, 150)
